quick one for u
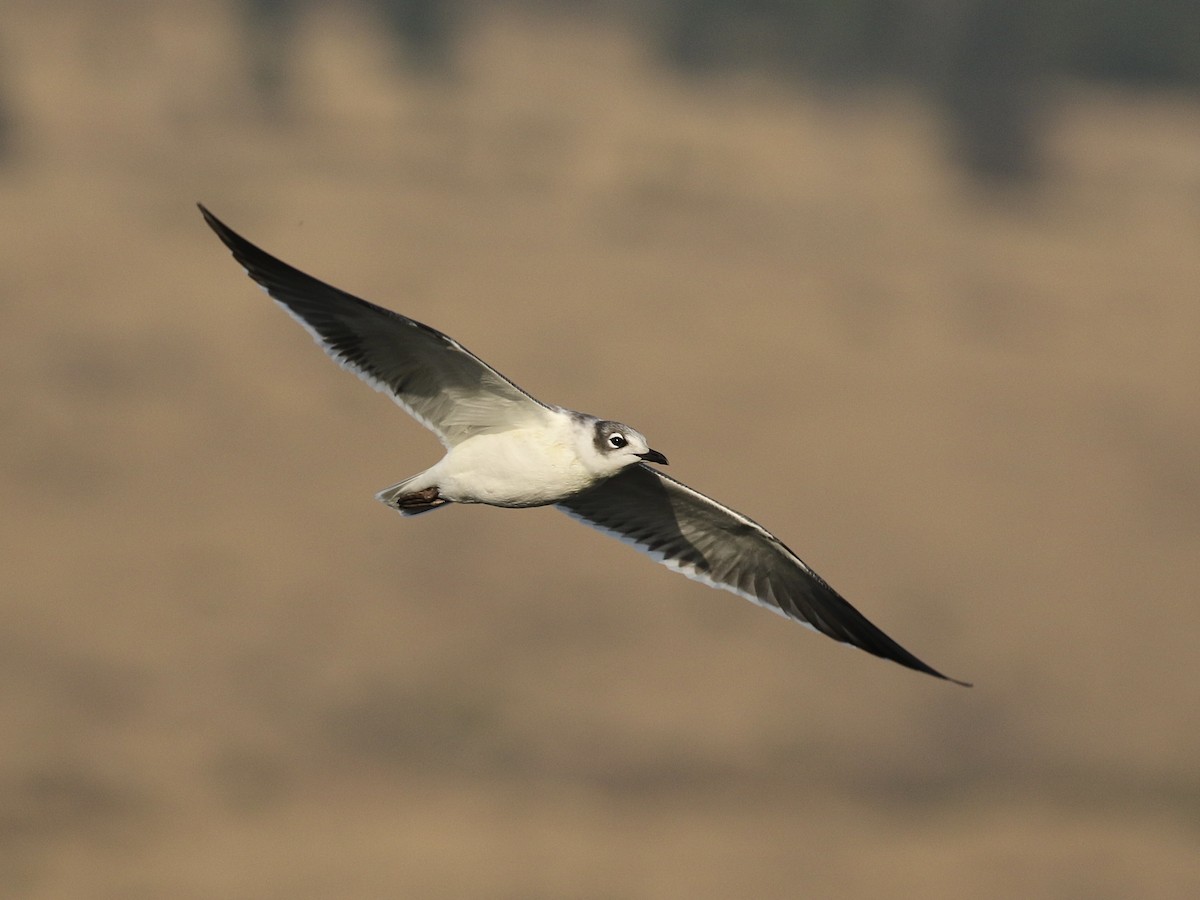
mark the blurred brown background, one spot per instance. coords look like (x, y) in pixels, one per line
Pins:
(930, 316)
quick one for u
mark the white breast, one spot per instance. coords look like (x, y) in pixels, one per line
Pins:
(524, 467)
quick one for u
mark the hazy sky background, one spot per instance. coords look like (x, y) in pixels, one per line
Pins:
(912, 284)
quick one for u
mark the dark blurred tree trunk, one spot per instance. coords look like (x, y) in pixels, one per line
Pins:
(989, 71)
(985, 61)
(425, 30)
(270, 31)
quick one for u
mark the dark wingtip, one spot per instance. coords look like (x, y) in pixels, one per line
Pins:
(868, 637)
(911, 662)
(223, 231)
(260, 265)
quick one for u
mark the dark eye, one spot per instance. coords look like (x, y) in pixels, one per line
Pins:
(617, 440)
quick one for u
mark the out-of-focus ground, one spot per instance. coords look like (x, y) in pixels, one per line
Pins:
(225, 671)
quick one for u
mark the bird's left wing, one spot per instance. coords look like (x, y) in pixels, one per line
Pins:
(693, 534)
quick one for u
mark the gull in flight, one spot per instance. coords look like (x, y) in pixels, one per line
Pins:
(504, 448)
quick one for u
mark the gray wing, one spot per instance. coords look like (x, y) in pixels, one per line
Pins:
(431, 376)
(693, 534)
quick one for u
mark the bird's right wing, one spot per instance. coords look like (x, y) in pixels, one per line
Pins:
(430, 375)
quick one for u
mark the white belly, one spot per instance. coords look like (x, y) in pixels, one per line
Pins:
(513, 468)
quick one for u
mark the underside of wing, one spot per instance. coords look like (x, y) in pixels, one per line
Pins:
(433, 377)
(695, 535)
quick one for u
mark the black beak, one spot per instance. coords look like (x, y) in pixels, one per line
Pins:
(653, 456)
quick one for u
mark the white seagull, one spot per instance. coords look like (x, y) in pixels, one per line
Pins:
(504, 448)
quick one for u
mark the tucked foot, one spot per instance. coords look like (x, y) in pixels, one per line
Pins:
(418, 501)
